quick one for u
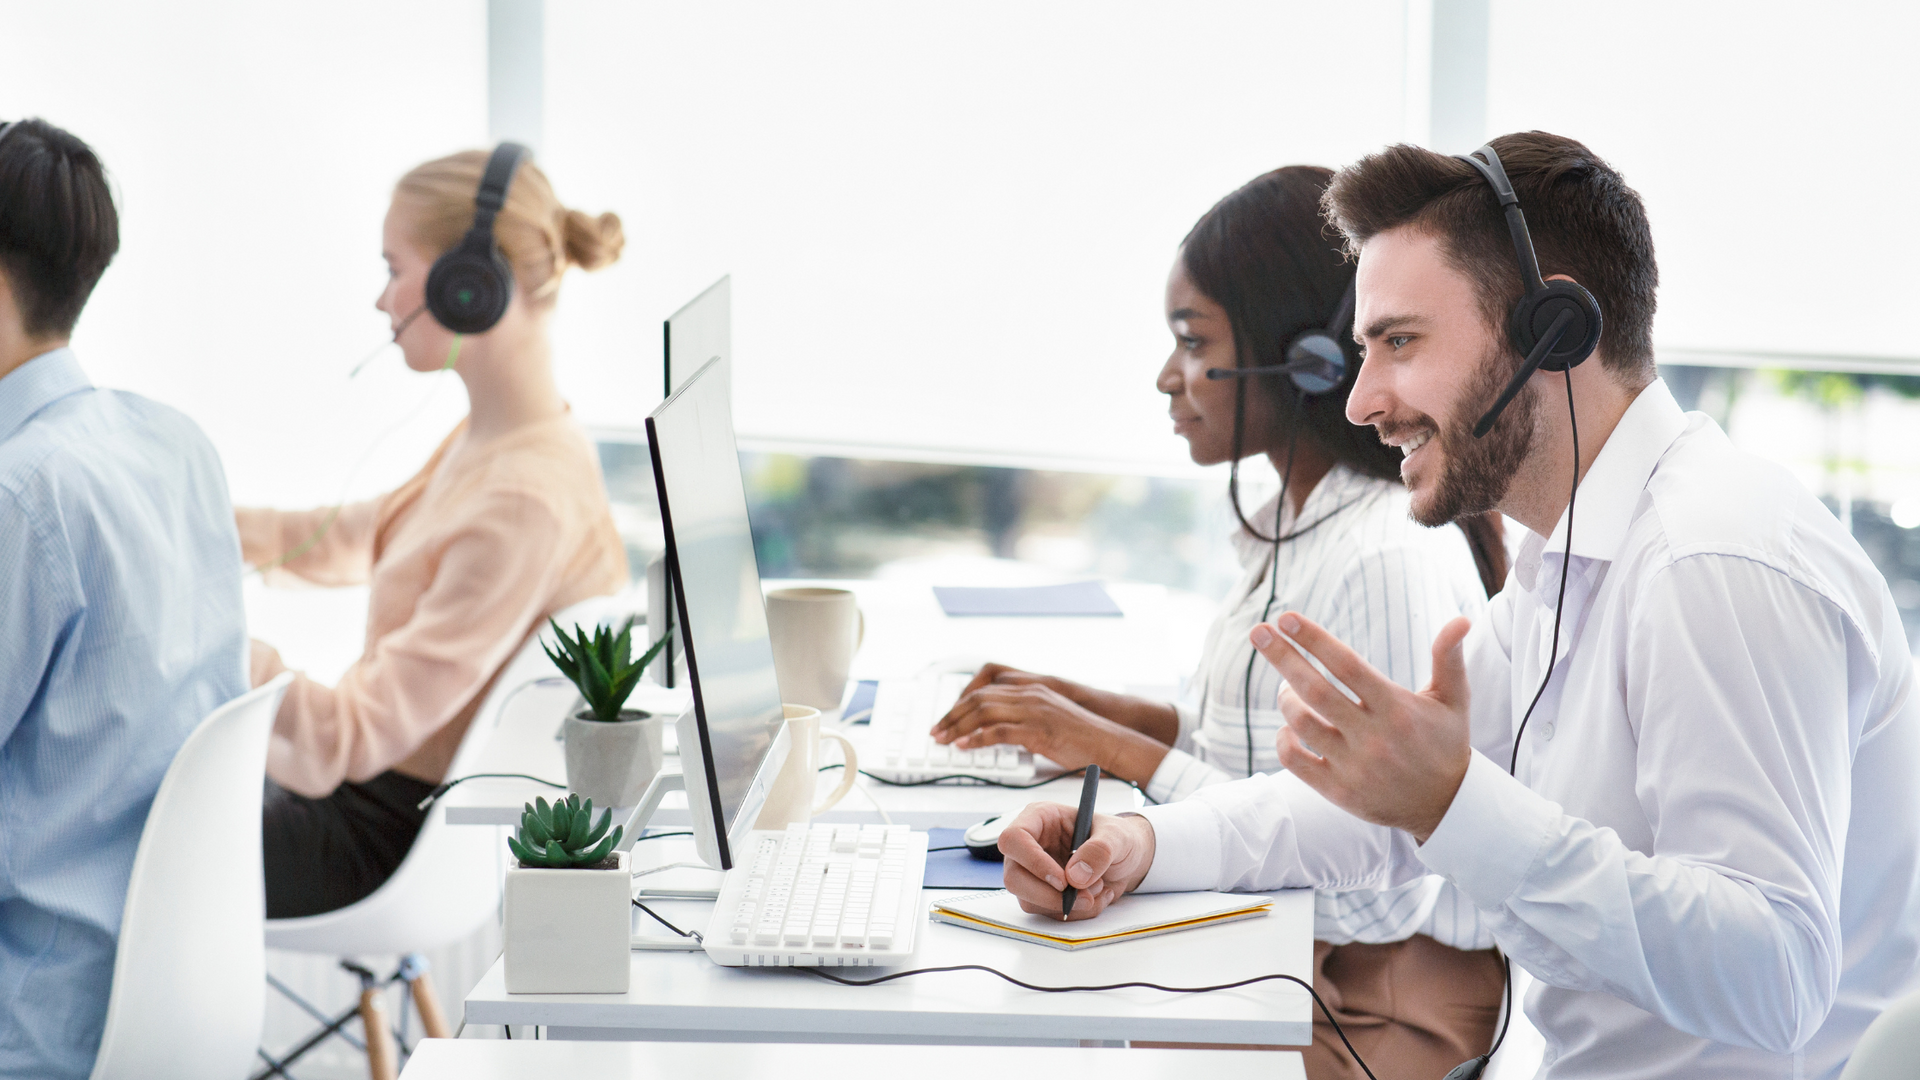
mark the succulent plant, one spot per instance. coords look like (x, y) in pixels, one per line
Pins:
(602, 666)
(563, 835)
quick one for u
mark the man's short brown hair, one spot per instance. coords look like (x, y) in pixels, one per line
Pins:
(1586, 223)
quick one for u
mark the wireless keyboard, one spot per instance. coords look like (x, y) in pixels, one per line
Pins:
(903, 710)
(821, 896)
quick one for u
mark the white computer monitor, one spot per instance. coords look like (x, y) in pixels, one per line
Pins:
(733, 740)
(699, 332)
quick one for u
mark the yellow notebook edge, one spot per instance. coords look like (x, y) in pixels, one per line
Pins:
(1251, 911)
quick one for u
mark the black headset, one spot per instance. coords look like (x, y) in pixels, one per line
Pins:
(469, 287)
(1557, 325)
(1315, 360)
(1554, 324)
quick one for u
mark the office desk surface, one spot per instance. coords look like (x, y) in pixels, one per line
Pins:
(1154, 644)
(490, 1059)
(685, 996)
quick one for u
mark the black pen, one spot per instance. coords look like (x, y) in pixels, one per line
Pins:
(1082, 825)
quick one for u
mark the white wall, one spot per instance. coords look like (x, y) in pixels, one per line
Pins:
(1774, 143)
(948, 226)
(253, 148)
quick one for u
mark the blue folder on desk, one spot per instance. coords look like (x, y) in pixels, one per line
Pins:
(1080, 598)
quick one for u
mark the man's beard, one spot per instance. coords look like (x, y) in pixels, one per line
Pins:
(1476, 473)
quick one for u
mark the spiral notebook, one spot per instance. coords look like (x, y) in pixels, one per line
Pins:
(1136, 915)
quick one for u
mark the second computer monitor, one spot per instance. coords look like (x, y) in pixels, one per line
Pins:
(739, 726)
(700, 331)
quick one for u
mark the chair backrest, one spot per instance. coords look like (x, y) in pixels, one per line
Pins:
(1890, 1047)
(449, 882)
(188, 977)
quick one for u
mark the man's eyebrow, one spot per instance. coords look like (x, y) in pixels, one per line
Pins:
(1384, 323)
(1186, 313)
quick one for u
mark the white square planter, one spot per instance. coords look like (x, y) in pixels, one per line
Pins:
(568, 931)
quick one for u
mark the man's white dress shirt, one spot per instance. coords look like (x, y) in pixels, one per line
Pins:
(1710, 857)
(1360, 566)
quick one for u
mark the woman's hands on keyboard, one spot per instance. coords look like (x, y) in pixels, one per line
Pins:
(1057, 719)
(1112, 862)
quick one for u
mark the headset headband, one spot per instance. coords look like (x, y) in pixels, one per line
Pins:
(502, 164)
(1496, 175)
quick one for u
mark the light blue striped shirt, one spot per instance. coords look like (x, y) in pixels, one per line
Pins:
(120, 629)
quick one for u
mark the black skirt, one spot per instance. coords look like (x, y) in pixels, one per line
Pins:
(323, 854)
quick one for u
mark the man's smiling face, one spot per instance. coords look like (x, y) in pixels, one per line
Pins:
(1433, 364)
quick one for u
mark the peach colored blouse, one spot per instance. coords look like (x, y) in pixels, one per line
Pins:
(464, 561)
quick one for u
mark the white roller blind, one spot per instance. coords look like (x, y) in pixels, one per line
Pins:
(948, 226)
(1774, 144)
(253, 148)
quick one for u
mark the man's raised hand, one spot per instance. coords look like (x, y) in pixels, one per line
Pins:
(1396, 757)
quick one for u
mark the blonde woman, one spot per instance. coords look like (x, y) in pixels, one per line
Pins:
(504, 525)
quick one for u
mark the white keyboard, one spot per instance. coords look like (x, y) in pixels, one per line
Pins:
(903, 710)
(821, 896)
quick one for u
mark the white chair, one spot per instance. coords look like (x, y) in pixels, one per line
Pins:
(449, 883)
(187, 1000)
(1890, 1047)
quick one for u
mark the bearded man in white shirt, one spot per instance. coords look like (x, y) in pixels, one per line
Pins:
(1708, 850)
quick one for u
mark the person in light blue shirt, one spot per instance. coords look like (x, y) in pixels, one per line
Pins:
(120, 617)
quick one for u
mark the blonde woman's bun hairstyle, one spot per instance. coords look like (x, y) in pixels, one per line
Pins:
(539, 236)
(593, 242)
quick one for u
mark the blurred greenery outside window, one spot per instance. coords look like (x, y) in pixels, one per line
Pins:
(1852, 438)
(838, 517)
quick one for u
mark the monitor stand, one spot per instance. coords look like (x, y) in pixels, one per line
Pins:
(666, 879)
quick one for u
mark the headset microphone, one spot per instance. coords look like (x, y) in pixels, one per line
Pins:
(395, 340)
(1534, 360)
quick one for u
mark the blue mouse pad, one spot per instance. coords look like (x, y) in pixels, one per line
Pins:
(957, 869)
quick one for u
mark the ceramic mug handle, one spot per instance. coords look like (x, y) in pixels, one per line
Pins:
(847, 775)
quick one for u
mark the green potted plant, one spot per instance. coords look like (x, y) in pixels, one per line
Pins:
(612, 752)
(566, 920)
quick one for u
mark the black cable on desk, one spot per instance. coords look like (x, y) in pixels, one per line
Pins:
(694, 934)
(1024, 985)
(441, 789)
(1137, 984)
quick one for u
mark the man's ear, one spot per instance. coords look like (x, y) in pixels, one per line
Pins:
(13, 324)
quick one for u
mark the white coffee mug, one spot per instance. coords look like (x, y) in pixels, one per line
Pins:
(791, 800)
(815, 633)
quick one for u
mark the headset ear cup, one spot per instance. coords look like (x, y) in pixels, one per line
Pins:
(1535, 313)
(1324, 362)
(469, 288)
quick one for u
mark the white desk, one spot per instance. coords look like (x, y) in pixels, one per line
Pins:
(1154, 644)
(684, 997)
(473, 1059)
(687, 997)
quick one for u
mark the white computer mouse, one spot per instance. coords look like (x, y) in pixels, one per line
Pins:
(983, 840)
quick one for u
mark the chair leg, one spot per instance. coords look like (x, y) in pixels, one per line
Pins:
(432, 1020)
(381, 1054)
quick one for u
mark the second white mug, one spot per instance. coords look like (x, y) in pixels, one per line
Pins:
(815, 634)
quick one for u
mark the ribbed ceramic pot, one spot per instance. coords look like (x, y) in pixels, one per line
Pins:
(612, 763)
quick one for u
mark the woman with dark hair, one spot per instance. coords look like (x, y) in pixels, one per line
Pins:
(1409, 971)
